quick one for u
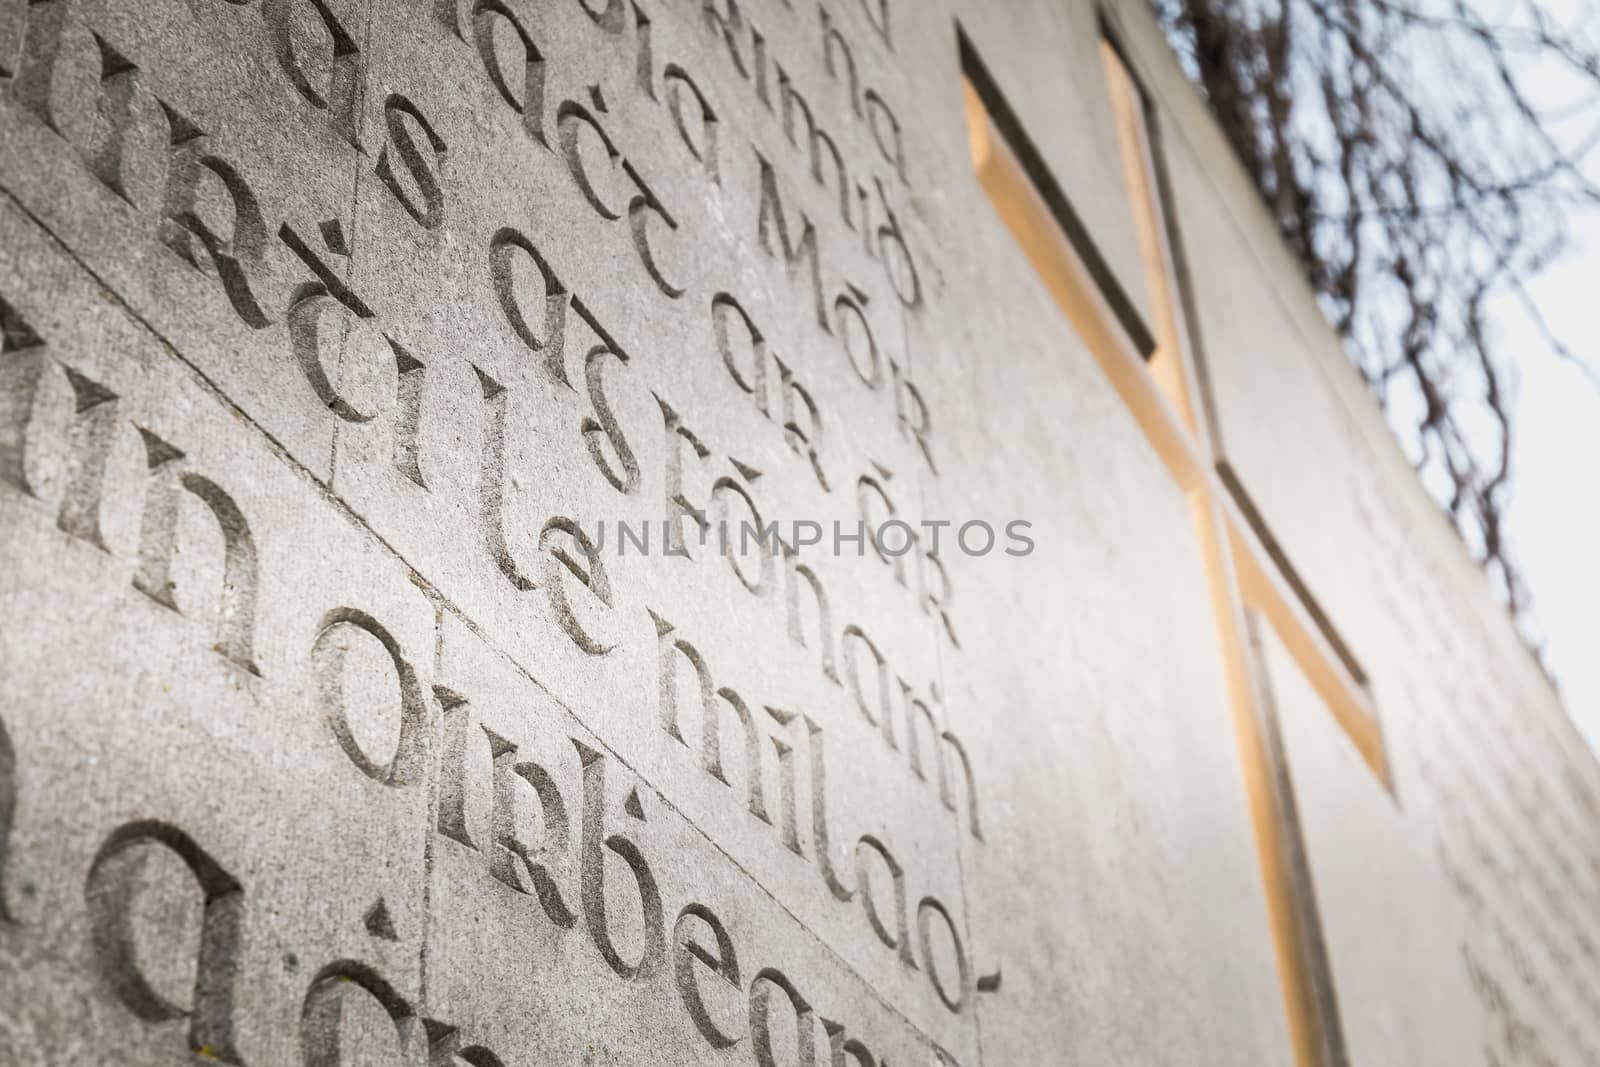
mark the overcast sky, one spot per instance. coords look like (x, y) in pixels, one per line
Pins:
(1554, 519)
(1555, 512)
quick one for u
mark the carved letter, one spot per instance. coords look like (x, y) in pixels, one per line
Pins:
(821, 835)
(158, 537)
(854, 302)
(115, 879)
(8, 812)
(721, 490)
(834, 46)
(723, 963)
(934, 603)
(667, 674)
(730, 26)
(328, 654)
(677, 80)
(430, 213)
(509, 848)
(342, 96)
(604, 423)
(559, 565)
(232, 257)
(492, 479)
(711, 751)
(593, 876)
(644, 204)
(913, 745)
(444, 1048)
(912, 411)
(947, 794)
(45, 23)
(612, 18)
(678, 505)
(882, 718)
(801, 255)
(723, 308)
(761, 1023)
(796, 571)
(527, 99)
(788, 807)
(841, 1045)
(926, 910)
(804, 441)
(408, 423)
(641, 209)
(89, 440)
(877, 12)
(306, 321)
(321, 1017)
(818, 141)
(907, 284)
(899, 938)
(503, 253)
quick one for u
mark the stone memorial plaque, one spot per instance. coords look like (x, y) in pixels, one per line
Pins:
(574, 531)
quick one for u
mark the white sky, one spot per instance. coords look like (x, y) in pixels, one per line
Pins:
(1554, 519)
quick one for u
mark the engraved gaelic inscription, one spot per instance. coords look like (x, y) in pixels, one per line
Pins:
(573, 832)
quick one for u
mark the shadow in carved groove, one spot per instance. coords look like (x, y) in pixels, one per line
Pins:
(8, 811)
(444, 1048)
(114, 882)
(22, 363)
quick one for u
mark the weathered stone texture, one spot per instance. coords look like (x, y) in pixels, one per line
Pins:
(333, 328)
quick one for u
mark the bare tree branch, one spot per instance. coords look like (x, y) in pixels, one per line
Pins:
(1413, 167)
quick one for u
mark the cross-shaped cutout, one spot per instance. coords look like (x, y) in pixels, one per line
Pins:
(1248, 574)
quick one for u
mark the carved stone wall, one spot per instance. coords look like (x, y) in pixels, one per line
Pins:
(377, 379)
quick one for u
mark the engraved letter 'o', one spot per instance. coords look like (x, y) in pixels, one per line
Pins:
(868, 365)
(405, 767)
(114, 882)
